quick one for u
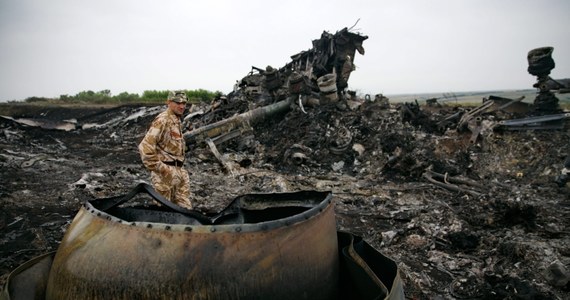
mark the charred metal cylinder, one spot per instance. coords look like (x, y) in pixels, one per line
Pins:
(268, 246)
(272, 79)
(296, 84)
(540, 61)
(328, 88)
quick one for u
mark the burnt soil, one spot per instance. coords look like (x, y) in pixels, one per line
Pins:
(500, 233)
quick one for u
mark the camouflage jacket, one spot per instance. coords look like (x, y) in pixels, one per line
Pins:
(163, 141)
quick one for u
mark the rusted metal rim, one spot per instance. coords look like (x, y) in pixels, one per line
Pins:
(314, 202)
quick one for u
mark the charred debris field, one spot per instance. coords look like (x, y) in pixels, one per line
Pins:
(463, 219)
(472, 202)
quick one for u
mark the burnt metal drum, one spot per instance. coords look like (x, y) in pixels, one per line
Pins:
(262, 246)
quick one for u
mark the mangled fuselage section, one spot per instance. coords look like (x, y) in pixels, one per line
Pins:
(322, 71)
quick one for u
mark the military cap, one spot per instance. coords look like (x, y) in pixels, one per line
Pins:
(177, 96)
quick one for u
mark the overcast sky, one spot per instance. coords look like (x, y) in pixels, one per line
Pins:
(50, 48)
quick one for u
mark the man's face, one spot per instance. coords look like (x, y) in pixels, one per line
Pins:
(177, 108)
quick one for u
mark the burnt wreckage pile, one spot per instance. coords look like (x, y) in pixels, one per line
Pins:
(318, 78)
(315, 76)
(324, 69)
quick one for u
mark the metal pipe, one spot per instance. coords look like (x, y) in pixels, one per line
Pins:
(227, 125)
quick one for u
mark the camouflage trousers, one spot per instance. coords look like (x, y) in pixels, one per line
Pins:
(174, 184)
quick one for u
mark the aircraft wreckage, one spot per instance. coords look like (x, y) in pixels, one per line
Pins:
(283, 246)
(279, 246)
(311, 80)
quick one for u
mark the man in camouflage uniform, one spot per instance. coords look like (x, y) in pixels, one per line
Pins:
(162, 152)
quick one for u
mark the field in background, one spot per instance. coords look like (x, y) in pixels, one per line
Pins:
(463, 98)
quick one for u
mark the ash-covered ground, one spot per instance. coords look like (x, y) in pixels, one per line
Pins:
(463, 218)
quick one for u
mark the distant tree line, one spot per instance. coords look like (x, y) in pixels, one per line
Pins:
(105, 96)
